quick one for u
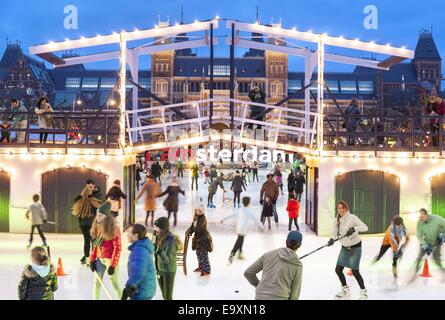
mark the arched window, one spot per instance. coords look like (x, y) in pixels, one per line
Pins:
(373, 196)
(161, 88)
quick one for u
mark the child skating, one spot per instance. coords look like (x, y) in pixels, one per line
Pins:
(293, 210)
(245, 217)
(38, 216)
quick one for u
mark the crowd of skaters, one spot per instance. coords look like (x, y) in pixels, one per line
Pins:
(153, 253)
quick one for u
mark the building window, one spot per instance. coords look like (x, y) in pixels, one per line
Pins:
(179, 86)
(161, 88)
(366, 87)
(348, 87)
(220, 70)
(276, 89)
(72, 83)
(90, 84)
(107, 83)
(194, 86)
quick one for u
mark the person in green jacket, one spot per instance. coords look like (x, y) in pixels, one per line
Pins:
(167, 246)
(180, 169)
(430, 232)
(20, 119)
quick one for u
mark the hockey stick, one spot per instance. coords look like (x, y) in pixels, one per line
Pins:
(103, 285)
(308, 254)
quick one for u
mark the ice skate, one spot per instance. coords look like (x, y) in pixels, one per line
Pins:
(29, 245)
(343, 294)
(197, 270)
(363, 294)
(240, 256)
(203, 273)
(230, 259)
(83, 260)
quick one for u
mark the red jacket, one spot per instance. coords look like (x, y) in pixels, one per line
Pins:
(438, 108)
(293, 208)
(110, 249)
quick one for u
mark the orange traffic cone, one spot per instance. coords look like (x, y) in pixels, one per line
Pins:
(59, 271)
(426, 270)
(349, 272)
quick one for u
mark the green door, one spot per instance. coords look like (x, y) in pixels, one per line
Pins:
(438, 195)
(5, 189)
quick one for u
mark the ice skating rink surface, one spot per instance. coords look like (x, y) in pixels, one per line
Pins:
(227, 282)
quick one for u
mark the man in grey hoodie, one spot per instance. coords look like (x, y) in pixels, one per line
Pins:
(282, 272)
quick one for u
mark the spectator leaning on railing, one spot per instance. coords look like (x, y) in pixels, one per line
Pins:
(435, 107)
(20, 119)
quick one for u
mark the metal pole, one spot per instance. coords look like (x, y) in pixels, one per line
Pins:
(232, 75)
(122, 88)
(211, 76)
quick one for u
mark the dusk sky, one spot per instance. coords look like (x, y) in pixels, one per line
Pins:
(399, 22)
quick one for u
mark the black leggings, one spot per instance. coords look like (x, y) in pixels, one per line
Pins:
(152, 218)
(210, 197)
(383, 250)
(39, 230)
(86, 240)
(356, 273)
(43, 137)
(195, 181)
(238, 245)
(175, 214)
(255, 174)
(236, 197)
(294, 220)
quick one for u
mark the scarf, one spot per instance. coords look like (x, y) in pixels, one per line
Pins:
(83, 207)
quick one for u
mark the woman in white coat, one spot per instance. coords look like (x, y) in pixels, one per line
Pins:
(347, 226)
(44, 119)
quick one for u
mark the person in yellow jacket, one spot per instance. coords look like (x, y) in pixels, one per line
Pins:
(396, 237)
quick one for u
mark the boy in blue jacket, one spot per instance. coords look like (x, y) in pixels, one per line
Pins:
(141, 284)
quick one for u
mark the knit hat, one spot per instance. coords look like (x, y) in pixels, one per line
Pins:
(295, 236)
(105, 208)
(200, 206)
(162, 223)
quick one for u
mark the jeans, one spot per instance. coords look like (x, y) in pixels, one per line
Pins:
(43, 137)
(86, 240)
(436, 257)
(210, 197)
(255, 174)
(39, 230)
(101, 267)
(238, 245)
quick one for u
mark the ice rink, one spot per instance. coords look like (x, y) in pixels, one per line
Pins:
(227, 282)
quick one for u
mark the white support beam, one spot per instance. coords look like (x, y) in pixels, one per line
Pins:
(320, 93)
(130, 36)
(328, 40)
(310, 61)
(122, 88)
(133, 63)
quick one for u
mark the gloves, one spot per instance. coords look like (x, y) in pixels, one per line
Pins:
(111, 271)
(441, 238)
(427, 249)
(331, 242)
(93, 266)
(350, 231)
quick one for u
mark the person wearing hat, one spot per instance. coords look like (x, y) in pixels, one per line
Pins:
(282, 272)
(167, 246)
(107, 249)
(202, 241)
(172, 200)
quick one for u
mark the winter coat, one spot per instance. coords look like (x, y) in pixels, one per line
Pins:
(269, 190)
(267, 210)
(238, 184)
(44, 118)
(20, 116)
(108, 249)
(38, 213)
(155, 170)
(281, 278)
(393, 236)
(171, 202)
(166, 253)
(437, 108)
(428, 232)
(342, 225)
(245, 218)
(86, 210)
(291, 183)
(37, 283)
(195, 171)
(352, 114)
(141, 269)
(151, 189)
(202, 240)
(299, 183)
(115, 195)
(293, 208)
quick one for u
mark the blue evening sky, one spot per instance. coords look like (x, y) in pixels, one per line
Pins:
(39, 21)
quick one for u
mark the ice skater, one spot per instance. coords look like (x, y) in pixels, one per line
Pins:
(430, 232)
(195, 174)
(38, 280)
(106, 251)
(238, 185)
(172, 201)
(268, 198)
(213, 187)
(346, 229)
(396, 237)
(151, 189)
(115, 196)
(38, 216)
(293, 210)
(279, 178)
(299, 184)
(245, 217)
(255, 172)
(202, 241)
